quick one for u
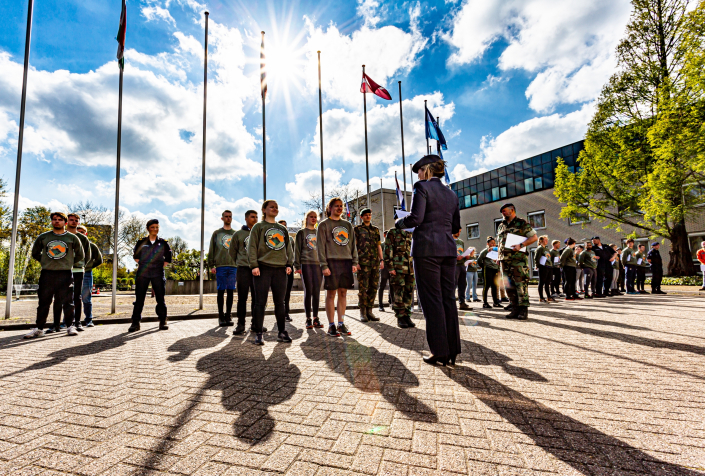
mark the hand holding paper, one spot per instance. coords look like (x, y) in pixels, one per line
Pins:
(402, 214)
(513, 239)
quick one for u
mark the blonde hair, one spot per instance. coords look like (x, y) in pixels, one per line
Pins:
(435, 169)
(265, 204)
(555, 241)
(307, 214)
(331, 202)
(82, 228)
(543, 237)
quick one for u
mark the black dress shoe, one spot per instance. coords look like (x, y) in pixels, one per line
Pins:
(381, 308)
(134, 327)
(433, 360)
(452, 359)
(401, 323)
(409, 322)
(486, 306)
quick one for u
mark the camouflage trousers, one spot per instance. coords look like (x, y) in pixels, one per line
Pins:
(516, 278)
(403, 286)
(368, 282)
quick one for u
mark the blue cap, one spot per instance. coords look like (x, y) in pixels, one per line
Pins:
(655, 243)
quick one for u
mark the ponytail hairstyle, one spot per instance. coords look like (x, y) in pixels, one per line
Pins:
(435, 169)
(331, 202)
(306, 216)
(265, 204)
(570, 241)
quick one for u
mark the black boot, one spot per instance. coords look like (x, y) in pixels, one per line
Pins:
(523, 313)
(221, 320)
(163, 325)
(409, 322)
(401, 322)
(516, 311)
(134, 327)
(240, 329)
(370, 315)
(228, 320)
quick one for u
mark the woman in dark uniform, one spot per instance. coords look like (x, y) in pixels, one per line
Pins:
(435, 217)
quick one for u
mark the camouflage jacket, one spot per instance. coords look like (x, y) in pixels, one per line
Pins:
(520, 227)
(397, 251)
(367, 238)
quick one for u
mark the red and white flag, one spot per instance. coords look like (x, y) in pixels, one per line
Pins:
(121, 35)
(262, 70)
(369, 86)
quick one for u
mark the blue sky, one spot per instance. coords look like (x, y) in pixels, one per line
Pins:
(508, 78)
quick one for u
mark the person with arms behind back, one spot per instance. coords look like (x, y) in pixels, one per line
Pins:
(435, 217)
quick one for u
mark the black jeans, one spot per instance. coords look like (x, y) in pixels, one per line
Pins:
(383, 280)
(556, 281)
(607, 282)
(590, 280)
(244, 286)
(276, 279)
(569, 287)
(461, 280)
(600, 280)
(159, 288)
(289, 285)
(223, 302)
(312, 277)
(489, 275)
(435, 282)
(545, 277)
(56, 286)
(640, 278)
(656, 278)
(77, 302)
(631, 278)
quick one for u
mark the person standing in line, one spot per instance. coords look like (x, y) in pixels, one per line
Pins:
(223, 265)
(307, 265)
(86, 294)
(245, 284)
(556, 268)
(569, 265)
(579, 277)
(490, 269)
(641, 266)
(545, 270)
(397, 260)
(656, 263)
(369, 254)
(270, 259)
(471, 274)
(435, 217)
(615, 271)
(383, 280)
(337, 255)
(588, 262)
(515, 262)
(460, 274)
(700, 255)
(152, 254)
(603, 262)
(289, 278)
(629, 262)
(57, 252)
(78, 273)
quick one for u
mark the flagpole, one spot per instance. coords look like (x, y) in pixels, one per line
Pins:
(397, 184)
(264, 140)
(320, 120)
(367, 163)
(23, 102)
(438, 142)
(403, 159)
(203, 164)
(116, 258)
(381, 193)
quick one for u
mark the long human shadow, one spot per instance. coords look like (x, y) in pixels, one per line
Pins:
(89, 348)
(370, 371)
(251, 384)
(183, 348)
(571, 441)
(471, 352)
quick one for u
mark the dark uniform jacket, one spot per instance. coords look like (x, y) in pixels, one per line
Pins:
(656, 261)
(435, 215)
(604, 254)
(151, 257)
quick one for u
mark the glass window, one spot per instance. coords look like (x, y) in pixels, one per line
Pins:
(546, 168)
(497, 221)
(473, 200)
(473, 231)
(494, 174)
(519, 175)
(535, 171)
(502, 192)
(546, 158)
(480, 186)
(567, 150)
(537, 183)
(547, 180)
(577, 147)
(468, 201)
(466, 183)
(485, 177)
(502, 171)
(528, 185)
(526, 164)
(519, 187)
(502, 180)
(695, 241)
(572, 169)
(488, 196)
(537, 220)
(473, 180)
(495, 194)
(569, 160)
(511, 190)
(579, 218)
(472, 189)
(510, 178)
(556, 153)
(494, 182)
(536, 160)
(480, 198)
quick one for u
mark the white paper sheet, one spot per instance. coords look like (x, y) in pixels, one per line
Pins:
(402, 214)
(639, 261)
(467, 252)
(492, 255)
(470, 261)
(629, 257)
(513, 239)
(542, 261)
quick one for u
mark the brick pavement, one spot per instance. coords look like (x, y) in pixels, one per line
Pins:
(610, 387)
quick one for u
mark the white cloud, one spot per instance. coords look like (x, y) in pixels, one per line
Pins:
(385, 52)
(344, 131)
(569, 45)
(368, 9)
(534, 137)
(154, 12)
(461, 172)
(309, 183)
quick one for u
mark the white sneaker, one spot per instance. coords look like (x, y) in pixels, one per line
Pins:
(72, 331)
(34, 333)
(90, 324)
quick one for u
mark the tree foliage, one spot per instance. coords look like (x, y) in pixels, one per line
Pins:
(643, 157)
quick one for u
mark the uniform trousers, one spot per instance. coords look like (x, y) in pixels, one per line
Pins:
(579, 280)
(77, 302)
(435, 282)
(56, 286)
(656, 278)
(607, 281)
(159, 288)
(368, 280)
(403, 294)
(383, 279)
(640, 278)
(462, 280)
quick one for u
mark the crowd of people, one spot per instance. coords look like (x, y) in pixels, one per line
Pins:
(262, 256)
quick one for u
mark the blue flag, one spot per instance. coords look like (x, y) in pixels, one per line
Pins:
(433, 131)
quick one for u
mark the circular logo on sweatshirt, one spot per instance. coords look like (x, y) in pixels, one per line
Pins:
(56, 249)
(341, 236)
(274, 238)
(225, 241)
(311, 241)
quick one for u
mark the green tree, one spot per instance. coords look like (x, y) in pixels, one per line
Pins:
(185, 267)
(5, 213)
(643, 158)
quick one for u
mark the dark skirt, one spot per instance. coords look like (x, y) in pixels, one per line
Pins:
(341, 275)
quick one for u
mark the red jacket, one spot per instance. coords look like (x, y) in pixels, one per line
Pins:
(701, 255)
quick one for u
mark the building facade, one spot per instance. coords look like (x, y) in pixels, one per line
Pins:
(528, 184)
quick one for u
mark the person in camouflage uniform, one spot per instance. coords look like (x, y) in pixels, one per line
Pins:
(369, 252)
(515, 263)
(397, 259)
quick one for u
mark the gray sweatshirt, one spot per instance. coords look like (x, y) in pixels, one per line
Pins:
(335, 239)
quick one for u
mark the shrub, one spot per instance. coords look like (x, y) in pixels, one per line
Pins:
(680, 281)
